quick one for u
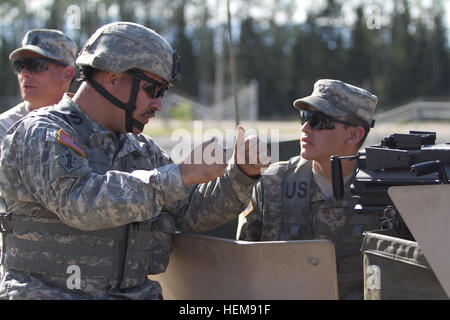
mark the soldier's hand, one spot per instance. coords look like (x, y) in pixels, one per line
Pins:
(250, 154)
(205, 163)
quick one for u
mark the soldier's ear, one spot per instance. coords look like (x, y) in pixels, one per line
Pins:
(68, 73)
(354, 135)
(110, 80)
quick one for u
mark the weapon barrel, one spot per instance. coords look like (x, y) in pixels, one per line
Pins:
(424, 168)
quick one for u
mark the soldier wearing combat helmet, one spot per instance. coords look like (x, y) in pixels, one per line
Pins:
(294, 200)
(91, 203)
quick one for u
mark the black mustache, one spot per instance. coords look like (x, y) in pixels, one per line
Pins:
(150, 113)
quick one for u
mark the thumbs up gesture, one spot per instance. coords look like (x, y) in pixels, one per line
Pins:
(250, 154)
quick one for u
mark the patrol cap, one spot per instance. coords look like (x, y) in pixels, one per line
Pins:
(49, 43)
(337, 99)
(120, 46)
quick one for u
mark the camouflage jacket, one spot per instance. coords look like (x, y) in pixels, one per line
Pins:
(58, 164)
(12, 115)
(288, 205)
(7, 119)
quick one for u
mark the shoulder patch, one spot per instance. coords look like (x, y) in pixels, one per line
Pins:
(68, 141)
(248, 210)
(71, 161)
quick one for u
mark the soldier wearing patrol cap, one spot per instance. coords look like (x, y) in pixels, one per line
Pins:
(44, 65)
(294, 199)
(91, 204)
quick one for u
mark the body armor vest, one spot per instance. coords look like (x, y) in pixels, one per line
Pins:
(306, 214)
(126, 252)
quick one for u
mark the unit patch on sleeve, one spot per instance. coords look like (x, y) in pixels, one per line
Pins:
(70, 160)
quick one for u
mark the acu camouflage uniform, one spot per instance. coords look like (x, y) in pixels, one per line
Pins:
(289, 205)
(111, 212)
(48, 43)
(83, 200)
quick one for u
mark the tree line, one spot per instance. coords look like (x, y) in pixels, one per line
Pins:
(398, 55)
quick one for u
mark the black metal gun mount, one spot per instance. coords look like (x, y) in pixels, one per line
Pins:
(399, 160)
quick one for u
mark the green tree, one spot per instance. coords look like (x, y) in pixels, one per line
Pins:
(440, 54)
(360, 53)
(183, 44)
(400, 84)
(204, 50)
(318, 50)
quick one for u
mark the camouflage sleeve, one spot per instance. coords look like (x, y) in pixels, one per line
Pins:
(3, 130)
(61, 180)
(250, 220)
(214, 203)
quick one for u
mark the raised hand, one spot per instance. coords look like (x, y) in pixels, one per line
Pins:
(250, 154)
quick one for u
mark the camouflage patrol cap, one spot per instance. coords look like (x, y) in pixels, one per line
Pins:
(49, 43)
(120, 46)
(337, 99)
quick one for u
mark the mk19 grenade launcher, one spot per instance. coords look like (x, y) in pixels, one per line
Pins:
(400, 160)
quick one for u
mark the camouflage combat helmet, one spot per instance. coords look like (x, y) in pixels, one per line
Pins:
(128, 47)
(120, 46)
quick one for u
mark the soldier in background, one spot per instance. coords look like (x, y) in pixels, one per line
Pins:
(92, 204)
(45, 67)
(294, 199)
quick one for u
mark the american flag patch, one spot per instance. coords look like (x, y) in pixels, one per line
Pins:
(248, 210)
(67, 140)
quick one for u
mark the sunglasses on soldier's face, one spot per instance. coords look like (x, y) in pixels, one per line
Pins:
(34, 64)
(320, 121)
(153, 88)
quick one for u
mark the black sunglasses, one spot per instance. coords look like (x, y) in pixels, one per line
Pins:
(34, 64)
(153, 88)
(320, 121)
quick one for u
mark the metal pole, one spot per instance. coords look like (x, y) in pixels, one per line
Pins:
(232, 66)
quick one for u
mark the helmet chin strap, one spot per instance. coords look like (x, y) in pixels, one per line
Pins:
(129, 107)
